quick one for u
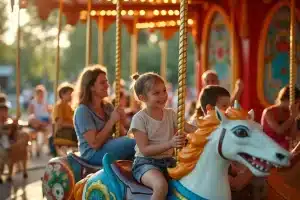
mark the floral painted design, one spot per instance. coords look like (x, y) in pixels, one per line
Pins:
(277, 47)
(56, 183)
(219, 50)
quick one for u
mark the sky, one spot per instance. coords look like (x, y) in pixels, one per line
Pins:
(10, 35)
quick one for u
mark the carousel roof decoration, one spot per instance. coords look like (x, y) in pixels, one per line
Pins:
(149, 13)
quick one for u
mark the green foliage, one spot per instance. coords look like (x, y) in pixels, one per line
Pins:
(148, 54)
(3, 18)
(38, 51)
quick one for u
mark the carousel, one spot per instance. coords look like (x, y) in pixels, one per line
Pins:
(255, 41)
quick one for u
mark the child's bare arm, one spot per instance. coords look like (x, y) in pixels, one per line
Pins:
(155, 149)
(279, 128)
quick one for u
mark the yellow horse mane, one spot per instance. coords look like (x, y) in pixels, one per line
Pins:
(189, 155)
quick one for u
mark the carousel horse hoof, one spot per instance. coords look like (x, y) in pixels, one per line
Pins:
(25, 175)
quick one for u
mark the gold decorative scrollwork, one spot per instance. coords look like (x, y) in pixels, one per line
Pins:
(178, 195)
(101, 187)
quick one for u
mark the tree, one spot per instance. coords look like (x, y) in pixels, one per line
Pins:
(3, 18)
(148, 54)
(38, 48)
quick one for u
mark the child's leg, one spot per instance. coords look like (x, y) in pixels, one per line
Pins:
(156, 180)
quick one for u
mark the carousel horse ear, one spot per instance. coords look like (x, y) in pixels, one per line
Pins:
(251, 114)
(236, 105)
(220, 115)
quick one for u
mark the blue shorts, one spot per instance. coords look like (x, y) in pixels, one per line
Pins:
(142, 164)
(44, 119)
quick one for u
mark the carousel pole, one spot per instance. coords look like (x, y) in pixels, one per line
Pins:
(118, 60)
(182, 65)
(88, 34)
(292, 54)
(18, 63)
(59, 24)
(163, 56)
(100, 39)
(293, 63)
(133, 55)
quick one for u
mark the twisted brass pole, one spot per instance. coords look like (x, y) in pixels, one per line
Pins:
(118, 61)
(292, 53)
(58, 51)
(293, 63)
(182, 65)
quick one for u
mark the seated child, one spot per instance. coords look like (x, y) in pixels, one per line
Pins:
(154, 129)
(240, 177)
(39, 116)
(279, 121)
(209, 97)
(63, 113)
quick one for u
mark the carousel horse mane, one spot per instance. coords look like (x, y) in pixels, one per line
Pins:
(189, 155)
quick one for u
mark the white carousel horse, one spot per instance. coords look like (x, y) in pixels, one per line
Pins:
(202, 171)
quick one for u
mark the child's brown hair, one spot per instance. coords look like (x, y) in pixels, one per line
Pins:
(210, 94)
(63, 88)
(143, 83)
(284, 94)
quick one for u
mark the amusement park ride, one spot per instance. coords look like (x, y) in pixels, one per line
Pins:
(252, 40)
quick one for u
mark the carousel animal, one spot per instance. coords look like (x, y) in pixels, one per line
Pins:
(61, 175)
(202, 171)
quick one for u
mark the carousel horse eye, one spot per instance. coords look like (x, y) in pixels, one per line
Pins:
(241, 132)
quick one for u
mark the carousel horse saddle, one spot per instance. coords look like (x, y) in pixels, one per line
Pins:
(134, 190)
(84, 163)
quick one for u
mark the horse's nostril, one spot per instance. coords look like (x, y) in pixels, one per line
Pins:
(280, 156)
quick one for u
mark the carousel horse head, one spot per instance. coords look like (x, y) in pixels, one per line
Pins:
(242, 139)
(232, 135)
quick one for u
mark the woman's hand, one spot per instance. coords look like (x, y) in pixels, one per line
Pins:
(116, 114)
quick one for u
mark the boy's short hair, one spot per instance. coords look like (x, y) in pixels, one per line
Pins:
(209, 95)
(207, 72)
(64, 88)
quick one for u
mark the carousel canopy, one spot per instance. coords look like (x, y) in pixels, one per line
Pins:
(149, 13)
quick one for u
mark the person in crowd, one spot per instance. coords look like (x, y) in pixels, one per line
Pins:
(279, 121)
(39, 116)
(62, 115)
(154, 129)
(95, 118)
